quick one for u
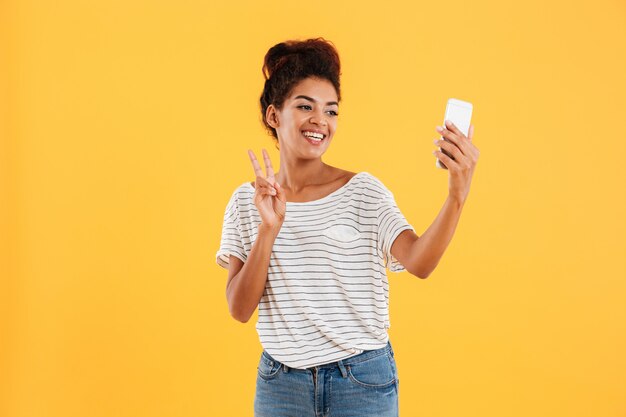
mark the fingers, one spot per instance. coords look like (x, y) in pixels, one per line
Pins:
(258, 172)
(266, 187)
(463, 153)
(263, 184)
(450, 148)
(454, 165)
(468, 149)
(470, 136)
(450, 163)
(280, 193)
(452, 127)
(454, 135)
(268, 166)
(255, 164)
(280, 202)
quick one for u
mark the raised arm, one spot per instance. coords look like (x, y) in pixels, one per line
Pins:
(420, 255)
(246, 283)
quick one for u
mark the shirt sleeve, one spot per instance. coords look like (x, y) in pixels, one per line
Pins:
(232, 241)
(391, 222)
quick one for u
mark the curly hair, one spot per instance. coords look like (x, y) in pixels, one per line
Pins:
(287, 63)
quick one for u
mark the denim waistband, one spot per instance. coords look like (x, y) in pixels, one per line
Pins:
(365, 355)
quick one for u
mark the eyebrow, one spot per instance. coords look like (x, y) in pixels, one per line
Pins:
(310, 99)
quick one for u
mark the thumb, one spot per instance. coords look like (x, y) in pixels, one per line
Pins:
(280, 193)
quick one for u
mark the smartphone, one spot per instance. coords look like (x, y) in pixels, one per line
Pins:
(458, 112)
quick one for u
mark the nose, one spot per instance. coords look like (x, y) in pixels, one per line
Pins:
(319, 119)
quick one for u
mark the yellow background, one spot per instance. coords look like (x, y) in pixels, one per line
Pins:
(124, 129)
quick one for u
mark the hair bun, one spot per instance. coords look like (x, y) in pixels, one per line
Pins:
(275, 58)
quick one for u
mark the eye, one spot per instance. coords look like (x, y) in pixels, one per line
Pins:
(333, 112)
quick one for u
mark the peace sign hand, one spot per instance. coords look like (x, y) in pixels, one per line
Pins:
(269, 197)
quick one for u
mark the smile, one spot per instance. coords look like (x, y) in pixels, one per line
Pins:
(310, 137)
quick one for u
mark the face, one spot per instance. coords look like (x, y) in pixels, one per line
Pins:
(311, 107)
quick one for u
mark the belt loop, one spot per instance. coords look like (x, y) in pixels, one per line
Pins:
(285, 369)
(342, 368)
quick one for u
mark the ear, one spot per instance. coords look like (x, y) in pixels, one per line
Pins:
(271, 116)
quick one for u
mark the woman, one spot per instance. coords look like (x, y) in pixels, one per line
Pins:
(310, 244)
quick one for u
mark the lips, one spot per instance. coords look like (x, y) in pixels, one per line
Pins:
(313, 141)
(319, 132)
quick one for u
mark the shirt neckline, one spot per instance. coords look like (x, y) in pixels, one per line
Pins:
(326, 197)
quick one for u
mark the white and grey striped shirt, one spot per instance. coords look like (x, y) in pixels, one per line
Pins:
(327, 293)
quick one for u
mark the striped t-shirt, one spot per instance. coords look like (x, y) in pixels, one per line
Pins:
(327, 293)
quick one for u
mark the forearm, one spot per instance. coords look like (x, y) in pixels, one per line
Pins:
(429, 248)
(246, 288)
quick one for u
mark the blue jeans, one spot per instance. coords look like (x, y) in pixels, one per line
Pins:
(365, 385)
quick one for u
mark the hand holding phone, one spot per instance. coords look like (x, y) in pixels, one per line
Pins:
(457, 139)
(458, 112)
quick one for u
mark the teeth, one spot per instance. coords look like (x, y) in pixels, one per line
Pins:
(313, 135)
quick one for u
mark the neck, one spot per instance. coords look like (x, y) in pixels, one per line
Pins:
(296, 175)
